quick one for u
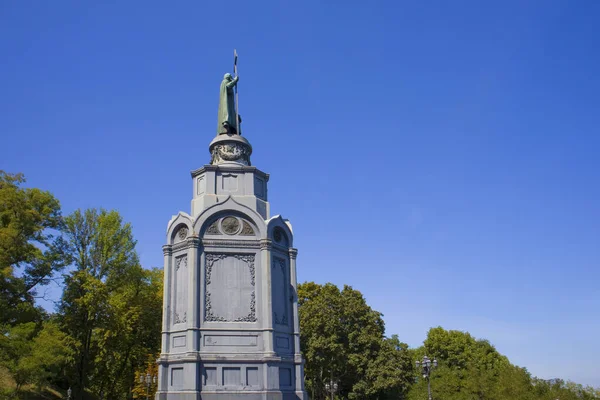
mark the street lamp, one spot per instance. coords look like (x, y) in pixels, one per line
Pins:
(426, 366)
(149, 379)
(331, 387)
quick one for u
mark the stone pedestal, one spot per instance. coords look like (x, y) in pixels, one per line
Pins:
(230, 313)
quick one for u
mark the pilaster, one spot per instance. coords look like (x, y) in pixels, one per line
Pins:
(193, 295)
(266, 246)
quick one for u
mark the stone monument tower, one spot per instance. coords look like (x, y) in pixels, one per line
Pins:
(230, 325)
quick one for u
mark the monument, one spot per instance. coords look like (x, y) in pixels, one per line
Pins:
(230, 325)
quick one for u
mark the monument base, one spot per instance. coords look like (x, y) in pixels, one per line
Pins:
(232, 395)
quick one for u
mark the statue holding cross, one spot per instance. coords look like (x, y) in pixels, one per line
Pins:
(229, 119)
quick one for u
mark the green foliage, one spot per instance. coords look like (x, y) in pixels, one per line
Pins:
(111, 306)
(29, 251)
(559, 389)
(141, 389)
(32, 354)
(473, 369)
(343, 338)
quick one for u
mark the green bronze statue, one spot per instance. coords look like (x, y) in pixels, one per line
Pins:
(227, 107)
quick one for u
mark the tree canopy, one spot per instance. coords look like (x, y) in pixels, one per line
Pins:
(343, 339)
(30, 250)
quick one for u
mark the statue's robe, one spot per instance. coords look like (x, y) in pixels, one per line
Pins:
(227, 106)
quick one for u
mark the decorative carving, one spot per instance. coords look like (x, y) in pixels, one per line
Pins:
(279, 262)
(210, 260)
(282, 321)
(181, 261)
(236, 152)
(230, 225)
(182, 233)
(213, 229)
(180, 320)
(247, 229)
(251, 317)
(250, 261)
(209, 314)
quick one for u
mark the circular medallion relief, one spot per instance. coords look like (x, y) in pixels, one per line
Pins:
(230, 225)
(183, 232)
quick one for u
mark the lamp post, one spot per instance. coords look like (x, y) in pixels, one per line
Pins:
(426, 366)
(149, 379)
(331, 387)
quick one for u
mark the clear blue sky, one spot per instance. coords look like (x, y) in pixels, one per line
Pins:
(442, 157)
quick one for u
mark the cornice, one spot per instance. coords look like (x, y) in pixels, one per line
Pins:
(194, 240)
(190, 242)
(244, 244)
(293, 253)
(168, 358)
(167, 250)
(230, 168)
(279, 247)
(266, 244)
(181, 246)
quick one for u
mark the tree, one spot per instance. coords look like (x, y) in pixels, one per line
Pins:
(473, 369)
(30, 251)
(131, 331)
(34, 354)
(101, 248)
(111, 306)
(342, 338)
(141, 388)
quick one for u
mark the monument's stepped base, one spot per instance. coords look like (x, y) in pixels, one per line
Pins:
(231, 395)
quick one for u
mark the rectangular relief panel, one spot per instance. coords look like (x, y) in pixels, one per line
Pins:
(285, 376)
(259, 188)
(279, 284)
(210, 376)
(230, 182)
(230, 340)
(177, 378)
(230, 294)
(180, 290)
(201, 185)
(179, 341)
(282, 342)
(252, 376)
(232, 376)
